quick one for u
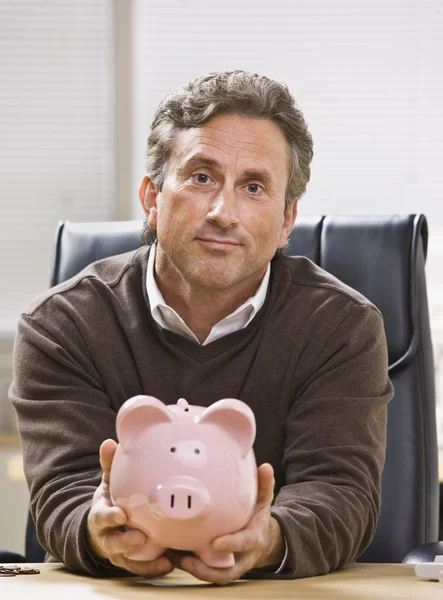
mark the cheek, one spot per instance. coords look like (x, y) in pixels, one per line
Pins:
(188, 208)
(170, 209)
(264, 225)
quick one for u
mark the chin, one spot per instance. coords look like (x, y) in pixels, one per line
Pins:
(213, 282)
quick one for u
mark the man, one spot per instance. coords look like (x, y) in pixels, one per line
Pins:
(213, 309)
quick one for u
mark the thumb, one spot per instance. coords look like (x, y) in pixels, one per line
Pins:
(266, 483)
(107, 451)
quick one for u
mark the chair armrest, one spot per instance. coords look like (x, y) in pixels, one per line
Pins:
(10, 557)
(424, 553)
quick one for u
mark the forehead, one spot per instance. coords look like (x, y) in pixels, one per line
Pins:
(235, 140)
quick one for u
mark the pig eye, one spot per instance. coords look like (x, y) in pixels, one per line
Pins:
(186, 409)
(173, 449)
(197, 451)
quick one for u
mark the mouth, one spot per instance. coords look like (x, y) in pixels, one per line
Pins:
(217, 244)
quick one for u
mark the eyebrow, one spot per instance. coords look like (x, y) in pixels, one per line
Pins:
(198, 159)
(263, 175)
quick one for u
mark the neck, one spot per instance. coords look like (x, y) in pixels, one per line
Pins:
(200, 307)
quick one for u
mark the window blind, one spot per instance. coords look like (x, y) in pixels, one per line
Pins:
(57, 133)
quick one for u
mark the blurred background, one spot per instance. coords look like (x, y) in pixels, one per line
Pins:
(80, 81)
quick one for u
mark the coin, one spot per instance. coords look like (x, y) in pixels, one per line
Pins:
(7, 574)
(28, 571)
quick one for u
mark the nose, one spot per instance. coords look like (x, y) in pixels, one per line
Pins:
(181, 497)
(223, 209)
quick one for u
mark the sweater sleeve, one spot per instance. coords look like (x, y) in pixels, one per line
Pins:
(335, 450)
(63, 415)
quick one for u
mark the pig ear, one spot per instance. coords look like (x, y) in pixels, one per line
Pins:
(140, 412)
(235, 417)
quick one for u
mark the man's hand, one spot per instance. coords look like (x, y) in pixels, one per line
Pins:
(259, 544)
(106, 535)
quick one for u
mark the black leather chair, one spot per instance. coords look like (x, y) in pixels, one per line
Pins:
(383, 258)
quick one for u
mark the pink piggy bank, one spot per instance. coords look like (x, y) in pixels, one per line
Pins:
(185, 474)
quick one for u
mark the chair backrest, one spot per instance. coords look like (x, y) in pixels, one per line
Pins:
(384, 259)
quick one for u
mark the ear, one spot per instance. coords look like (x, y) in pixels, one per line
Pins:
(290, 215)
(235, 417)
(147, 194)
(138, 413)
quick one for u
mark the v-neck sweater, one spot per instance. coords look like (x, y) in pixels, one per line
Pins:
(312, 365)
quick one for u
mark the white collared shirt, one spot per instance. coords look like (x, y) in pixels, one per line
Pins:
(168, 318)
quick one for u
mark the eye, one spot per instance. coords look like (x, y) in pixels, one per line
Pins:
(201, 178)
(173, 449)
(256, 187)
(197, 451)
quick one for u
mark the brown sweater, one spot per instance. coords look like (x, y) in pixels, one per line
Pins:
(312, 365)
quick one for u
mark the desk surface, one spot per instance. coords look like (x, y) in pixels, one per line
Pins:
(357, 581)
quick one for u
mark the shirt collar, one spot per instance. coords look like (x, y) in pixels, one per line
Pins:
(168, 318)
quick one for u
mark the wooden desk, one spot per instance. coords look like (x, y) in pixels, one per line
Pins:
(358, 581)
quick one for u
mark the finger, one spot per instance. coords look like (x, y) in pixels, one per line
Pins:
(247, 538)
(104, 516)
(121, 542)
(242, 541)
(196, 567)
(175, 556)
(107, 451)
(266, 483)
(155, 568)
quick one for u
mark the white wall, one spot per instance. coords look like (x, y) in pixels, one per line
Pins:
(366, 73)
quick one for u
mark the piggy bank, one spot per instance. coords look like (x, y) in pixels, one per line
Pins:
(184, 474)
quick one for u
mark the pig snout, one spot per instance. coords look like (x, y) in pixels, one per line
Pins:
(181, 497)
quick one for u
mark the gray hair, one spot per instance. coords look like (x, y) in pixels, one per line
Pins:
(237, 92)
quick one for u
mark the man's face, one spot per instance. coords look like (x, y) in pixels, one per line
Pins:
(220, 216)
